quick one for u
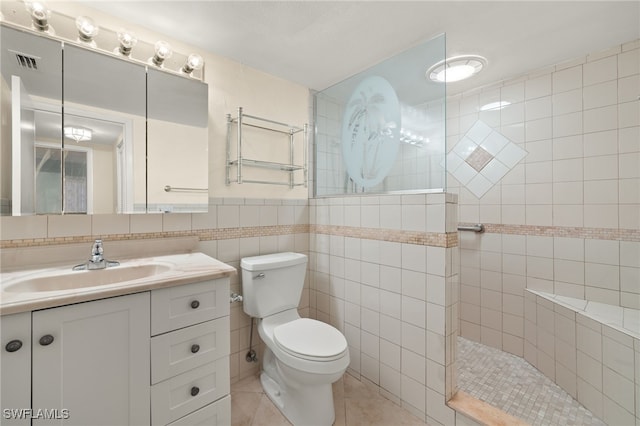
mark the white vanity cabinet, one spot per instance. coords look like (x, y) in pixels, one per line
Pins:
(190, 344)
(92, 359)
(15, 368)
(159, 356)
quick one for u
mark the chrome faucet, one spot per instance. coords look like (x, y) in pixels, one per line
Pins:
(97, 260)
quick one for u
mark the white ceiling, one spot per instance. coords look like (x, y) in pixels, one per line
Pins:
(319, 43)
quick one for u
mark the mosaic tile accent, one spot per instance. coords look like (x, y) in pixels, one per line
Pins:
(449, 239)
(480, 170)
(479, 158)
(511, 384)
(446, 240)
(562, 231)
(202, 234)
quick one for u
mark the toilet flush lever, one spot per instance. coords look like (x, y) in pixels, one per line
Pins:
(259, 276)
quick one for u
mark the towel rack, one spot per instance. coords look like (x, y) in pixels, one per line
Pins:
(478, 227)
(169, 188)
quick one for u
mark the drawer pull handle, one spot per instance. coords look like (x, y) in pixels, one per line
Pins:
(195, 304)
(195, 348)
(195, 390)
(46, 340)
(13, 346)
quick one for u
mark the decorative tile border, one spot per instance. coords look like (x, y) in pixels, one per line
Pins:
(562, 231)
(449, 239)
(202, 234)
(446, 240)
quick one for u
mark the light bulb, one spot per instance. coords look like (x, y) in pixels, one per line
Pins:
(127, 40)
(162, 52)
(455, 73)
(40, 15)
(194, 62)
(87, 29)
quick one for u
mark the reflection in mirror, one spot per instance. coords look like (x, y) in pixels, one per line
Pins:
(177, 143)
(104, 118)
(31, 96)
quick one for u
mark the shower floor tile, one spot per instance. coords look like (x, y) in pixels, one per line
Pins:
(511, 384)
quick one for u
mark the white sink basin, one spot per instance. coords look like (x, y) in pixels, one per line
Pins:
(69, 279)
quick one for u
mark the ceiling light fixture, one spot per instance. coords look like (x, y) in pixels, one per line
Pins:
(78, 134)
(162, 53)
(456, 68)
(87, 30)
(194, 62)
(40, 15)
(127, 40)
(494, 106)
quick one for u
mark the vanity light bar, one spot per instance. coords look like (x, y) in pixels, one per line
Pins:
(40, 15)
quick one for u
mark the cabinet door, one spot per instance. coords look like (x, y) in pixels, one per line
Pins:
(15, 369)
(91, 362)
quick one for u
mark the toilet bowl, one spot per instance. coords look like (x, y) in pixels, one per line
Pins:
(303, 356)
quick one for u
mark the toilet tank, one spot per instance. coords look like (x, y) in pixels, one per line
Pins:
(272, 283)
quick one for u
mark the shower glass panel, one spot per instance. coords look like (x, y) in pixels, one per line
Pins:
(383, 129)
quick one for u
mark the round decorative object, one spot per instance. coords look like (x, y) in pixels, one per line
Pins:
(371, 131)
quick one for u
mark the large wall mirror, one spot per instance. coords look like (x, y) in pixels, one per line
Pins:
(86, 132)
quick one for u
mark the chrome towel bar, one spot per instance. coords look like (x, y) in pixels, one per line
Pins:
(478, 227)
(169, 188)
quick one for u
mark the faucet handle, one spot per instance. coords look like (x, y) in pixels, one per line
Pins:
(97, 248)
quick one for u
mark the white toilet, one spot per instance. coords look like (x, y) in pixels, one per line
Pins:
(304, 356)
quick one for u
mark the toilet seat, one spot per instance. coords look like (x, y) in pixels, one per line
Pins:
(310, 340)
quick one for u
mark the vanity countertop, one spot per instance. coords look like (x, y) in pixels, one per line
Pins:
(178, 269)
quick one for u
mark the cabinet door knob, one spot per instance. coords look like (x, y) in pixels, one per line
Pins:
(13, 345)
(195, 304)
(46, 340)
(195, 390)
(195, 348)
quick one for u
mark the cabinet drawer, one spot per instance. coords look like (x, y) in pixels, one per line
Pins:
(173, 399)
(181, 350)
(215, 414)
(185, 305)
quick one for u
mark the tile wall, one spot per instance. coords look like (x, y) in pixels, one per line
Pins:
(384, 271)
(590, 360)
(233, 228)
(566, 218)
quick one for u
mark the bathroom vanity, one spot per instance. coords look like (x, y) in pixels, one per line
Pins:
(142, 346)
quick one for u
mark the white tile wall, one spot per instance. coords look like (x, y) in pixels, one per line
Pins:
(397, 298)
(594, 363)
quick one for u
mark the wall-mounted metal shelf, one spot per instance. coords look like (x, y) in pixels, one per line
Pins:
(295, 135)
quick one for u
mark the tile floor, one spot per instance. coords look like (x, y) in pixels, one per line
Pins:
(356, 403)
(503, 380)
(512, 384)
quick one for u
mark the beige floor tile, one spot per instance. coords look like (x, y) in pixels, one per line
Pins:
(268, 415)
(355, 403)
(377, 413)
(248, 384)
(243, 407)
(354, 388)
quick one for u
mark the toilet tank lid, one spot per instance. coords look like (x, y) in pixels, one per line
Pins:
(272, 261)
